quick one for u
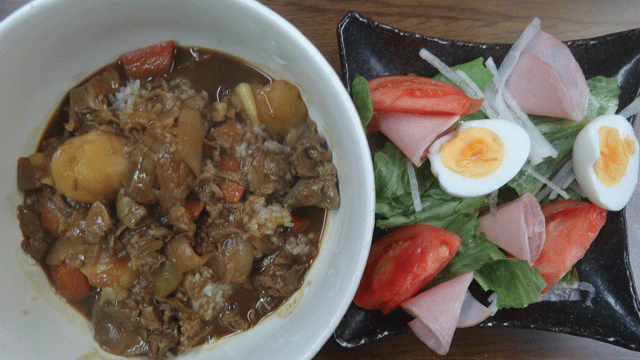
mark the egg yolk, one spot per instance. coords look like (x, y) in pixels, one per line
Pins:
(473, 152)
(614, 155)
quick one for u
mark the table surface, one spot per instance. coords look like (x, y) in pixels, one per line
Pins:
(478, 21)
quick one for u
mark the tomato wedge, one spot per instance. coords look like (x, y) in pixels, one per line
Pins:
(571, 227)
(402, 263)
(418, 95)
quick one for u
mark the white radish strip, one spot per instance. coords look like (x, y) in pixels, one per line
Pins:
(565, 291)
(540, 146)
(413, 182)
(472, 312)
(576, 187)
(510, 60)
(563, 185)
(493, 205)
(593, 100)
(565, 172)
(536, 175)
(443, 68)
(611, 110)
(493, 303)
(451, 74)
(631, 109)
(543, 193)
(486, 107)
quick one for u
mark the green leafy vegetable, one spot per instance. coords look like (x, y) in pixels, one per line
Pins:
(362, 99)
(474, 252)
(516, 283)
(480, 75)
(475, 69)
(393, 194)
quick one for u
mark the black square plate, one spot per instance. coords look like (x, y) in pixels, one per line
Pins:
(371, 49)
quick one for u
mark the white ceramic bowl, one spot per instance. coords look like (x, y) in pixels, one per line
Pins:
(49, 46)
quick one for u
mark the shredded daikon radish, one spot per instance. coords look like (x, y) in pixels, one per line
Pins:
(576, 187)
(563, 185)
(413, 182)
(493, 303)
(565, 173)
(593, 100)
(563, 178)
(510, 60)
(611, 110)
(469, 87)
(540, 146)
(553, 186)
(486, 106)
(631, 109)
(542, 194)
(493, 205)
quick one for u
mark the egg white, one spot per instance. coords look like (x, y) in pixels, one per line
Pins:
(586, 151)
(516, 151)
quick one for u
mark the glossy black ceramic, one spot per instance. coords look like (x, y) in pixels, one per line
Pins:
(371, 49)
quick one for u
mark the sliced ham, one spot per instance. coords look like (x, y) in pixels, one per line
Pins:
(518, 227)
(437, 311)
(472, 312)
(547, 80)
(413, 133)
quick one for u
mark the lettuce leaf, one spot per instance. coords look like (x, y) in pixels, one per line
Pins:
(362, 99)
(475, 69)
(480, 75)
(516, 283)
(393, 194)
(475, 250)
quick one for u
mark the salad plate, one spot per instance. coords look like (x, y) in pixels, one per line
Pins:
(607, 312)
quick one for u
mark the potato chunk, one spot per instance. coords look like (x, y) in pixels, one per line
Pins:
(90, 166)
(280, 107)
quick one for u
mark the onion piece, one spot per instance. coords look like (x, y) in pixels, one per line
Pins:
(413, 182)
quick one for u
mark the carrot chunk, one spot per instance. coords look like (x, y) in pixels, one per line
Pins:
(149, 61)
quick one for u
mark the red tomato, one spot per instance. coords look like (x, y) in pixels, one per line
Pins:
(149, 61)
(402, 263)
(571, 227)
(418, 95)
(70, 282)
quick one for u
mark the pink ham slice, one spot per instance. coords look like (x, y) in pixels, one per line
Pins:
(413, 133)
(472, 312)
(436, 312)
(547, 80)
(518, 227)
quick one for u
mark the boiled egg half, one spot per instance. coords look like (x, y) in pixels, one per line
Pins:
(479, 157)
(605, 161)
